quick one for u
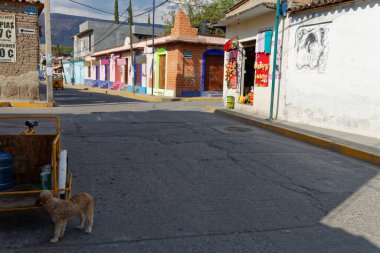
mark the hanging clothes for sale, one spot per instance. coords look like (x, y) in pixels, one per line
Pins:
(260, 43)
(268, 42)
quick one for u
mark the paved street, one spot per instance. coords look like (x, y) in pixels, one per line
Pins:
(172, 177)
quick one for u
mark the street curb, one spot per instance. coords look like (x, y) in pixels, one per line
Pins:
(27, 104)
(344, 149)
(140, 97)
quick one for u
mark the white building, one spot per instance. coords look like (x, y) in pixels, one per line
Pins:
(328, 62)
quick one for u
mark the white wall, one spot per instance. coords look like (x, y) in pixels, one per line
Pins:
(345, 94)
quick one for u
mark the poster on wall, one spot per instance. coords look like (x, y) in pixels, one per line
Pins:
(262, 69)
(312, 47)
(7, 38)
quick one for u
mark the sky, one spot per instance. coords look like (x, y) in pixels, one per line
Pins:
(139, 6)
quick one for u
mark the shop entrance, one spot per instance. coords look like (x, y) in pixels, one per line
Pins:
(249, 74)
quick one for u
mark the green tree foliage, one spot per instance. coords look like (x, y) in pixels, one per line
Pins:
(200, 11)
(60, 50)
(116, 12)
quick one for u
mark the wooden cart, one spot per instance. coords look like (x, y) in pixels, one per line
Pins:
(30, 152)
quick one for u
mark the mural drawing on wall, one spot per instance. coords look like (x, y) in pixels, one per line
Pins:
(312, 47)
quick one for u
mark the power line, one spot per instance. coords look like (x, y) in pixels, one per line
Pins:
(121, 24)
(104, 11)
(88, 6)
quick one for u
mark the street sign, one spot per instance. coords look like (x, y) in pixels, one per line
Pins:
(188, 55)
(7, 38)
(31, 10)
(27, 31)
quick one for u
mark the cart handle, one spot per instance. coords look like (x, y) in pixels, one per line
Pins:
(58, 121)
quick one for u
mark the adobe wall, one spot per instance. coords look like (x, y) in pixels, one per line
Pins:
(19, 80)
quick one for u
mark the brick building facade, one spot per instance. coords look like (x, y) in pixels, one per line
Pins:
(185, 64)
(187, 61)
(19, 49)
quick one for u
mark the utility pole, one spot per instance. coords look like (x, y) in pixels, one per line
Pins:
(153, 62)
(49, 58)
(130, 21)
(274, 68)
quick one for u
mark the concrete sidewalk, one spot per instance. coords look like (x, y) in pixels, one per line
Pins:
(360, 147)
(143, 97)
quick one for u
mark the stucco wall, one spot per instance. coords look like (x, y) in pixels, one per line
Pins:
(341, 88)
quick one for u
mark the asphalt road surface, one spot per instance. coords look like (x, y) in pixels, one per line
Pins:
(172, 177)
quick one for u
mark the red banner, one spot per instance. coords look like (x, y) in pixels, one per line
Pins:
(262, 69)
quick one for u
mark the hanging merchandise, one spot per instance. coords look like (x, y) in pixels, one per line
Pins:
(239, 68)
(231, 74)
(262, 69)
(260, 43)
(231, 44)
(268, 42)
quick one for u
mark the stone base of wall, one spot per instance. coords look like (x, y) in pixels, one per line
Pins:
(23, 87)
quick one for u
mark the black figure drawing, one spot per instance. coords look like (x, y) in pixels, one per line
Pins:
(311, 48)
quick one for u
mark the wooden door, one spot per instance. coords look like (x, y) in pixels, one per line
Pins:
(214, 73)
(117, 72)
(162, 72)
(126, 72)
(138, 74)
(108, 71)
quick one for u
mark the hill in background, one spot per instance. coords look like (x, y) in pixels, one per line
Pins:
(63, 27)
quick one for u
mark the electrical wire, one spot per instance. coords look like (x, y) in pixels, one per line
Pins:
(104, 11)
(120, 25)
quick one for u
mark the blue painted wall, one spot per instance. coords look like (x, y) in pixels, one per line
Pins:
(74, 72)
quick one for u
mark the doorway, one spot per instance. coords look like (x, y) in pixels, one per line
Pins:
(117, 72)
(214, 73)
(249, 70)
(138, 74)
(108, 71)
(126, 71)
(162, 71)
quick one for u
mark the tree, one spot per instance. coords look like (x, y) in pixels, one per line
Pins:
(116, 12)
(200, 11)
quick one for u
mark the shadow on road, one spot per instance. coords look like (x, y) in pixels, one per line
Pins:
(75, 97)
(180, 181)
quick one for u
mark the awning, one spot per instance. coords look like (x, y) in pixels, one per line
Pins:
(254, 11)
(95, 63)
(87, 63)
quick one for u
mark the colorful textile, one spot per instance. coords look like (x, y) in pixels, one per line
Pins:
(268, 42)
(260, 43)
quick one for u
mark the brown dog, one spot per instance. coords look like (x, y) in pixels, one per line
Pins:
(81, 205)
